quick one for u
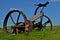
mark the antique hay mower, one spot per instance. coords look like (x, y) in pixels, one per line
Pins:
(28, 24)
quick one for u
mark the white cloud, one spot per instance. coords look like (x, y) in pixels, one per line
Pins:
(54, 0)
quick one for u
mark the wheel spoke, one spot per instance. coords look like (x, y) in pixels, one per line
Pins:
(12, 19)
(46, 23)
(41, 19)
(18, 18)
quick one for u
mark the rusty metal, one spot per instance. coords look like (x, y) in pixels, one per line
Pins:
(9, 14)
(28, 24)
(18, 26)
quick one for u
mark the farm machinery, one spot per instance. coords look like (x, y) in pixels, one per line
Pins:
(28, 24)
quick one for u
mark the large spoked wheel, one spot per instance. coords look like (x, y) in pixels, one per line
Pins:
(13, 19)
(43, 22)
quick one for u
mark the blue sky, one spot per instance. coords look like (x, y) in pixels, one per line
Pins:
(27, 6)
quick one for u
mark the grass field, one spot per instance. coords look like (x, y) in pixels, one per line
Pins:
(53, 34)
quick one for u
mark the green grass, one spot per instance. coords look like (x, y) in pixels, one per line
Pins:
(53, 34)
